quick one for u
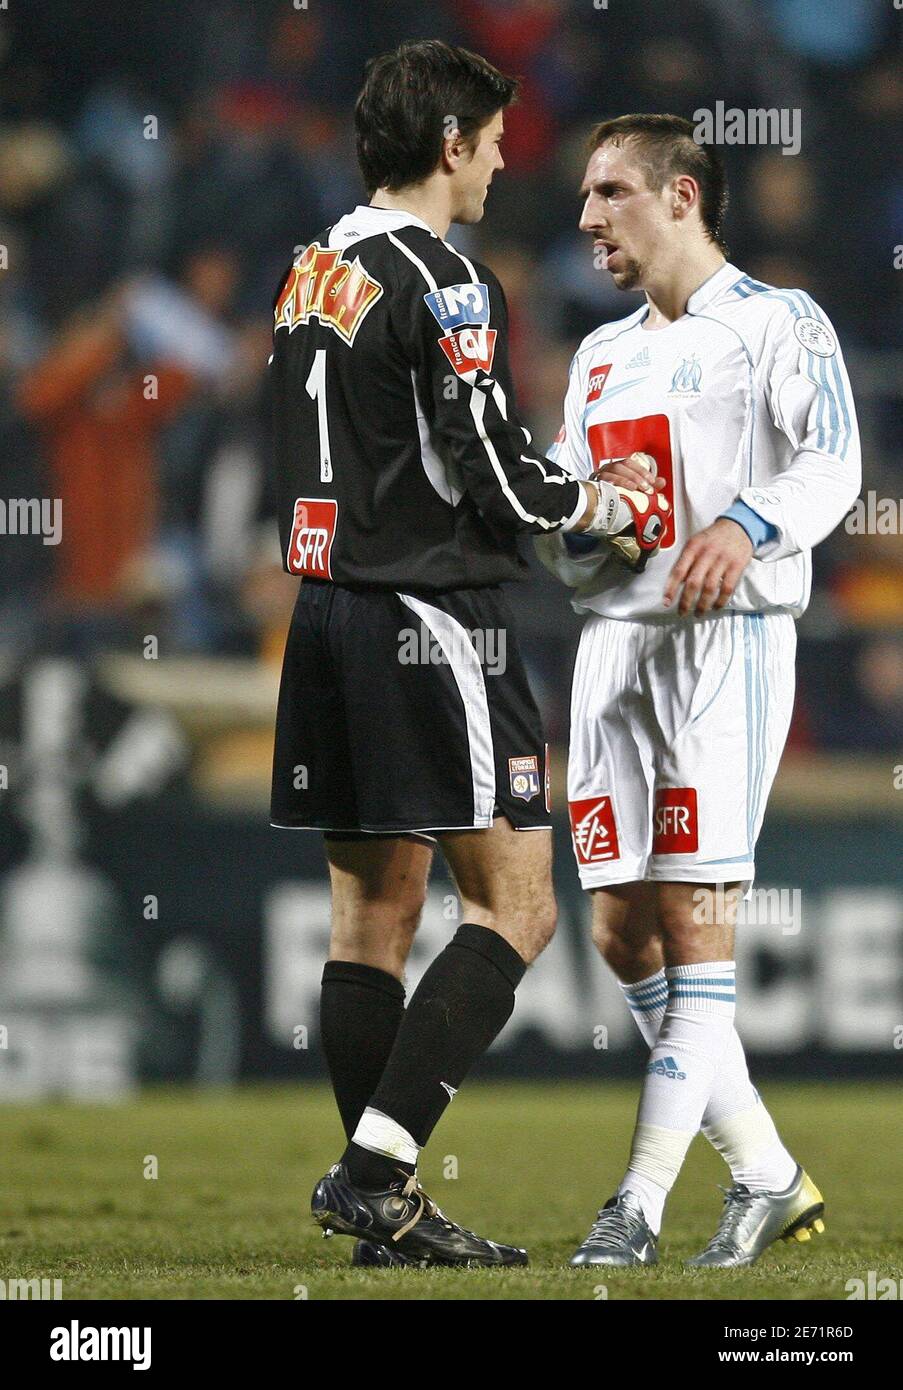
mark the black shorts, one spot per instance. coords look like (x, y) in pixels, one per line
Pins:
(400, 714)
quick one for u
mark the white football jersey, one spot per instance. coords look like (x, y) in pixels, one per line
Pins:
(746, 396)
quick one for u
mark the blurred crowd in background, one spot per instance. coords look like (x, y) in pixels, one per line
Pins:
(159, 164)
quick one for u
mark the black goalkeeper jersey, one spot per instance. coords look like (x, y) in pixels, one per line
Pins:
(401, 462)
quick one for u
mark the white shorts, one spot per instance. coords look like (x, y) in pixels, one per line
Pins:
(677, 730)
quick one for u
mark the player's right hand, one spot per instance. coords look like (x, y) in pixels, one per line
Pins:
(635, 472)
(631, 511)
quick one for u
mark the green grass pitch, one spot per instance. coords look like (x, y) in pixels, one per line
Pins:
(227, 1215)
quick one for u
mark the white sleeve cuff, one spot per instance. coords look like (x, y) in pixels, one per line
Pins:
(578, 511)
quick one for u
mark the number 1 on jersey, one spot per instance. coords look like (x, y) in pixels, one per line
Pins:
(316, 389)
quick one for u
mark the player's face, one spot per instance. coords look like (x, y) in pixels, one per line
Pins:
(627, 219)
(474, 174)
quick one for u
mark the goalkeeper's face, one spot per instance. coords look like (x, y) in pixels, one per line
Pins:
(473, 167)
(630, 222)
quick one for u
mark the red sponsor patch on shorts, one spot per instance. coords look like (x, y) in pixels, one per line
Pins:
(675, 821)
(313, 532)
(593, 830)
(469, 349)
(596, 382)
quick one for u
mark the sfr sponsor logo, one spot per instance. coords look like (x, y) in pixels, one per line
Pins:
(313, 531)
(597, 379)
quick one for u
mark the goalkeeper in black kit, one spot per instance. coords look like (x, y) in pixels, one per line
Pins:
(406, 480)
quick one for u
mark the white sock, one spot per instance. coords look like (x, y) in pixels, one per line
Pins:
(698, 1019)
(382, 1135)
(735, 1120)
(750, 1145)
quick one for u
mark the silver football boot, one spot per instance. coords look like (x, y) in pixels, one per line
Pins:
(751, 1221)
(619, 1236)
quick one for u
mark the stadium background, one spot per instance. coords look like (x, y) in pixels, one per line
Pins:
(157, 166)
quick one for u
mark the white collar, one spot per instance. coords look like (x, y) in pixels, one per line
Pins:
(367, 221)
(711, 288)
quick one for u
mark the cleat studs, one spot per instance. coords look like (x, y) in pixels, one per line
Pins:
(818, 1225)
(803, 1234)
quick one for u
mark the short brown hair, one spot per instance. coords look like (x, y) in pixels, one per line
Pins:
(665, 147)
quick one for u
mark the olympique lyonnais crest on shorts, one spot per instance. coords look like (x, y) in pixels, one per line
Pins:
(313, 532)
(523, 774)
(593, 830)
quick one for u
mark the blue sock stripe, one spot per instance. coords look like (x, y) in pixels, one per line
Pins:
(698, 994)
(704, 980)
(648, 992)
(651, 981)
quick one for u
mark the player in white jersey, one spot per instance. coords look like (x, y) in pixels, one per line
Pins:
(729, 398)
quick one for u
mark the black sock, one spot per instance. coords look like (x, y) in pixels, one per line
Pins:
(462, 1003)
(360, 1010)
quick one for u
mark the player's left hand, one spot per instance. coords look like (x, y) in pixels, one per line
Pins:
(709, 568)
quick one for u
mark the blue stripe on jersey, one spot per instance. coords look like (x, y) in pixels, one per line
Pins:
(816, 313)
(816, 374)
(747, 286)
(829, 399)
(832, 398)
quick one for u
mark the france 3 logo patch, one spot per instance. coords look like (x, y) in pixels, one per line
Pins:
(523, 775)
(470, 349)
(456, 305)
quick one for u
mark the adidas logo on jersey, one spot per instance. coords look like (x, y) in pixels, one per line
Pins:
(640, 359)
(666, 1066)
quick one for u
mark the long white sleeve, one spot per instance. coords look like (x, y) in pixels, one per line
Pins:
(808, 393)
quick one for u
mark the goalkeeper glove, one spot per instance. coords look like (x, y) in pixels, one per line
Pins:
(632, 523)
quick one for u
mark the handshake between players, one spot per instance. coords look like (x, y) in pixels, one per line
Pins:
(640, 508)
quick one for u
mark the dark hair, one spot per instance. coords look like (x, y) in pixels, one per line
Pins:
(401, 115)
(665, 147)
